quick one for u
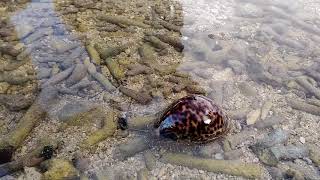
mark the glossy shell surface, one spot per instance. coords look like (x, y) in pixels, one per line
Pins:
(194, 117)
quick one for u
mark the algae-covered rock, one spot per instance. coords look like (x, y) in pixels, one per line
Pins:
(109, 128)
(235, 168)
(60, 169)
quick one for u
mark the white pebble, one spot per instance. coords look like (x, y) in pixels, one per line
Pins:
(302, 140)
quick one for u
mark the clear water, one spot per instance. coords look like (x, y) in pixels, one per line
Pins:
(243, 54)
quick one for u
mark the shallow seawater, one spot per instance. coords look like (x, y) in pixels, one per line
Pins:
(69, 69)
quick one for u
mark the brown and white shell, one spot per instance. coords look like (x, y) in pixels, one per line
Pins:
(194, 117)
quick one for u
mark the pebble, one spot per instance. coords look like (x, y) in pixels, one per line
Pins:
(218, 156)
(302, 140)
(253, 116)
